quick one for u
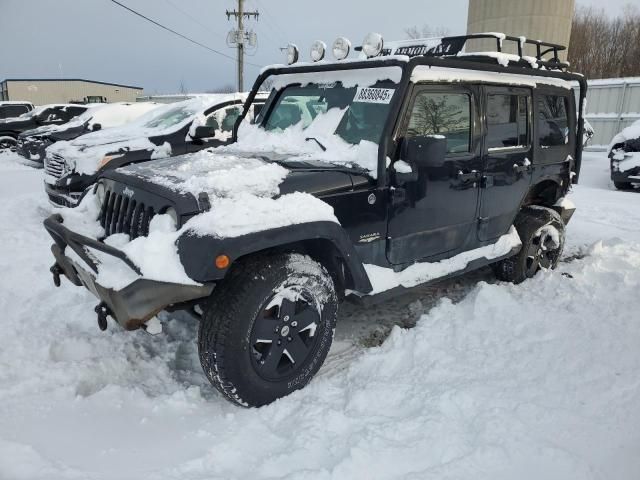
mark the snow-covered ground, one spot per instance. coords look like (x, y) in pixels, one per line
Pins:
(493, 381)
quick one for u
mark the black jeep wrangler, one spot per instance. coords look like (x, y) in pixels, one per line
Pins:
(359, 178)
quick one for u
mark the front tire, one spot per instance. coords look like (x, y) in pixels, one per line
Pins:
(267, 328)
(542, 233)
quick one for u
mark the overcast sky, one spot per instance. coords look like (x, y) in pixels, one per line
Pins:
(98, 40)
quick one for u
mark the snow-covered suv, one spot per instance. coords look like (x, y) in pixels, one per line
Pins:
(204, 121)
(359, 177)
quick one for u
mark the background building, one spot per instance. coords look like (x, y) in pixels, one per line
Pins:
(548, 20)
(41, 91)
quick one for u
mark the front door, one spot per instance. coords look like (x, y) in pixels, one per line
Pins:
(507, 168)
(439, 214)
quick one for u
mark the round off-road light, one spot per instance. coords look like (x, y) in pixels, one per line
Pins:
(222, 262)
(372, 44)
(292, 54)
(318, 49)
(341, 48)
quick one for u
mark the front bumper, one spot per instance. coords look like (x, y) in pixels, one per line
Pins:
(131, 306)
(61, 196)
(33, 151)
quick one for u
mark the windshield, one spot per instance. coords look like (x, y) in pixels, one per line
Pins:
(170, 117)
(364, 110)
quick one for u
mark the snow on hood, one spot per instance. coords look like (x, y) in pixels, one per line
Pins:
(632, 132)
(216, 174)
(84, 153)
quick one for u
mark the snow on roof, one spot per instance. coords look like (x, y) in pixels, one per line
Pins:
(444, 74)
(15, 102)
(629, 133)
(361, 77)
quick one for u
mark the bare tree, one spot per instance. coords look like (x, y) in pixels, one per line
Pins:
(425, 32)
(223, 89)
(603, 46)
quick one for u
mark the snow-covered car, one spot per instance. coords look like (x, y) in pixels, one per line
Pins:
(624, 156)
(32, 144)
(54, 114)
(358, 178)
(14, 108)
(204, 121)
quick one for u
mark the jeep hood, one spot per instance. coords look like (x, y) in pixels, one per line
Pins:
(230, 175)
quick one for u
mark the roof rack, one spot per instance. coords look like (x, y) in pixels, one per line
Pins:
(452, 46)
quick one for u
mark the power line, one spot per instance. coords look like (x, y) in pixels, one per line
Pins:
(187, 14)
(269, 19)
(178, 33)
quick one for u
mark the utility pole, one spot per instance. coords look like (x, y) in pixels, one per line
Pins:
(239, 37)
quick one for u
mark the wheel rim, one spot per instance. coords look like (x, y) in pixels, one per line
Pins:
(284, 334)
(543, 250)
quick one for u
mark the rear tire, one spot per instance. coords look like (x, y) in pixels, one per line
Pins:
(267, 328)
(542, 233)
(623, 185)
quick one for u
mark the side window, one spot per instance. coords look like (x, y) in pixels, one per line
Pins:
(229, 119)
(553, 122)
(10, 111)
(446, 114)
(507, 121)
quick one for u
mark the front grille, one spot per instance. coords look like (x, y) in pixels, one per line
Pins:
(121, 214)
(54, 166)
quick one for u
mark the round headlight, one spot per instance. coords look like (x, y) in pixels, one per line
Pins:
(372, 45)
(318, 48)
(100, 192)
(173, 214)
(341, 48)
(292, 54)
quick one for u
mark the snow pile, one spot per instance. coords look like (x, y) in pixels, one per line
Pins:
(383, 279)
(528, 382)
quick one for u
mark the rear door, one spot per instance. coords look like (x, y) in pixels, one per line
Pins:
(508, 152)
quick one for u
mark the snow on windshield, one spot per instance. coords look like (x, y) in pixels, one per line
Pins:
(337, 117)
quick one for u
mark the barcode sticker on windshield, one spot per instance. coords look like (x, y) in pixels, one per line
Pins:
(373, 95)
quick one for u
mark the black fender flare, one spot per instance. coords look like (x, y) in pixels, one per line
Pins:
(198, 253)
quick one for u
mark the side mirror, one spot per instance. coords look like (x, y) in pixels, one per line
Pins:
(96, 127)
(424, 151)
(204, 131)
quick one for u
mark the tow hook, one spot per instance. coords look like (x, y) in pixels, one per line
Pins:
(103, 312)
(56, 270)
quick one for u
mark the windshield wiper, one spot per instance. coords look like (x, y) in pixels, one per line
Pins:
(324, 149)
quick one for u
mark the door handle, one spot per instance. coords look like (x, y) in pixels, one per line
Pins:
(471, 176)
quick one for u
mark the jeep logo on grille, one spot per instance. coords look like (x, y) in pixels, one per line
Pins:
(128, 192)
